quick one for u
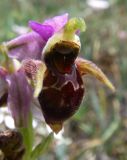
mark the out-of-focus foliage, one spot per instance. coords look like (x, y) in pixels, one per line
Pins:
(98, 130)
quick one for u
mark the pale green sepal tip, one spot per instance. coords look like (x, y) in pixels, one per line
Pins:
(75, 24)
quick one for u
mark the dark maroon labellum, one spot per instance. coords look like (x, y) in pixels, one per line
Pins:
(63, 87)
(61, 96)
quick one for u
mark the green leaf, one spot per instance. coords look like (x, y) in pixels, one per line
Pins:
(42, 147)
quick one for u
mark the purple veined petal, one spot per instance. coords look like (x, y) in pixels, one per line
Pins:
(3, 83)
(57, 22)
(45, 31)
(29, 45)
(19, 98)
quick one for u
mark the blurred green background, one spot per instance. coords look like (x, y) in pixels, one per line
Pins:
(98, 131)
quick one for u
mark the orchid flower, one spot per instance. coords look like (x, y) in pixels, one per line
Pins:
(50, 71)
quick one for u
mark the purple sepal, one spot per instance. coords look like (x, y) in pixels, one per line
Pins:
(29, 45)
(57, 22)
(19, 98)
(45, 31)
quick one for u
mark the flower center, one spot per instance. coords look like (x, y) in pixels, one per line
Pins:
(62, 56)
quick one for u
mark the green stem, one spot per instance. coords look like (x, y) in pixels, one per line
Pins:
(42, 147)
(27, 134)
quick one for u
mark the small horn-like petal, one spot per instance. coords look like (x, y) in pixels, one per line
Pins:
(87, 67)
(39, 78)
(35, 70)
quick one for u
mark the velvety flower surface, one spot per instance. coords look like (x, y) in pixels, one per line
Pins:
(48, 71)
